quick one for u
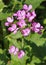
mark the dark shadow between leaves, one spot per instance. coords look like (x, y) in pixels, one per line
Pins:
(39, 52)
(3, 58)
(42, 63)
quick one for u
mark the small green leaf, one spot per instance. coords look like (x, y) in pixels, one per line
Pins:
(15, 36)
(44, 21)
(35, 3)
(1, 4)
(36, 38)
(4, 15)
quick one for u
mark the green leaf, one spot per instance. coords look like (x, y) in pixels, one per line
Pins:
(34, 60)
(14, 36)
(1, 51)
(16, 61)
(44, 21)
(1, 5)
(37, 39)
(4, 15)
(35, 3)
(15, 43)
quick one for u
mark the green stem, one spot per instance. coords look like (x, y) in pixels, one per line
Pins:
(22, 42)
(13, 7)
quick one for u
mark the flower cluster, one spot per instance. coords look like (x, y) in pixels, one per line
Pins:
(36, 27)
(15, 51)
(24, 18)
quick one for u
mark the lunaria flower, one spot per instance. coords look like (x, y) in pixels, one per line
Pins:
(11, 49)
(16, 51)
(7, 23)
(36, 27)
(21, 14)
(28, 14)
(13, 28)
(10, 20)
(21, 23)
(26, 32)
(21, 54)
(32, 16)
(27, 8)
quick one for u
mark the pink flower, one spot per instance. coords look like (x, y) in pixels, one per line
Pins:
(15, 31)
(10, 20)
(36, 27)
(33, 14)
(15, 14)
(12, 28)
(16, 51)
(21, 23)
(11, 49)
(21, 14)
(27, 8)
(28, 14)
(7, 23)
(31, 18)
(21, 54)
(26, 32)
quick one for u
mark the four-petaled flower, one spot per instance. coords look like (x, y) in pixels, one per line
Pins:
(14, 50)
(36, 27)
(26, 32)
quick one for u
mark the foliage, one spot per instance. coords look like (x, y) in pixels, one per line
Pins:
(34, 45)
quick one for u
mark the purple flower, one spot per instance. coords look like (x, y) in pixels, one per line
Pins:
(36, 27)
(10, 20)
(12, 28)
(32, 16)
(16, 51)
(28, 14)
(11, 49)
(15, 14)
(21, 14)
(21, 23)
(7, 23)
(26, 32)
(27, 8)
(15, 31)
(21, 54)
